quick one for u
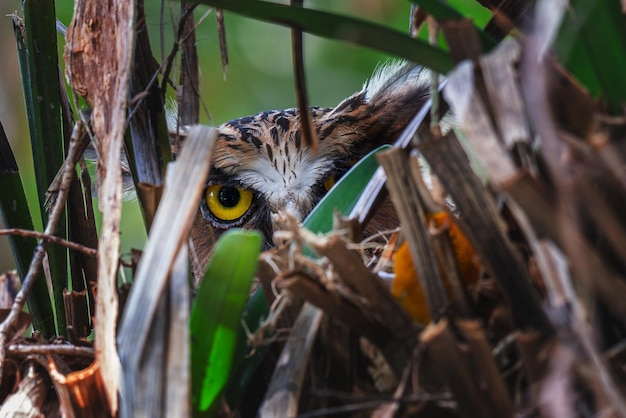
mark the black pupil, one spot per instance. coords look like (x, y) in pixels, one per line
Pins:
(229, 196)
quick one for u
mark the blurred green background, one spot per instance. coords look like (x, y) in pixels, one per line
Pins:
(259, 76)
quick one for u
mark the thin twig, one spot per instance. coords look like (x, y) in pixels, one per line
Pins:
(50, 238)
(306, 122)
(61, 350)
(165, 67)
(181, 36)
(9, 325)
(361, 406)
(221, 34)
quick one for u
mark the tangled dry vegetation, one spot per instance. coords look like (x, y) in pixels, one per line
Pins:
(500, 294)
(538, 332)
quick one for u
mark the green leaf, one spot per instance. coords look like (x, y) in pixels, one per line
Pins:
(342, 197)
(15, 214)
(37, 52)
(342, 28)
(596, 34)
(216, 313)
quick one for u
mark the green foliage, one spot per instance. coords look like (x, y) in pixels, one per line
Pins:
(37, 51)
(215, 315)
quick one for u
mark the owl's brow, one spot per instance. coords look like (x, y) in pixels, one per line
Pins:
(249, 127)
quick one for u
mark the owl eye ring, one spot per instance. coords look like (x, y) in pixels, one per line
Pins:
(227, 203)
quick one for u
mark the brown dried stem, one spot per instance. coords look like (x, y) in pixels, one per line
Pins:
(188, 100)
(306, 123)
(168, 234)
(406, 198)
(483, 358)
(307, 289)
(445, 254)
(284, 390)
(52, 349)
(50, 238)
(481, 224)
(351, 270)
(380, 302)
(441, 346)
(221, 34)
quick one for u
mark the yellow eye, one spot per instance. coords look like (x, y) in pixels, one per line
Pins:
(329, 183)
(228, 203)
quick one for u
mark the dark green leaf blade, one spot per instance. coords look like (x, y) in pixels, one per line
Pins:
(37, 50)
(597, 27)
(343, 28)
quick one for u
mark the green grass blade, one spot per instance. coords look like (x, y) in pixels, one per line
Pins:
(40, 76)
(342, 28)
(15, 214)
(342, 197)
(216, 313)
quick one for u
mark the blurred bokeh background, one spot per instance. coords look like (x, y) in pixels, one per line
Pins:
(259, 76)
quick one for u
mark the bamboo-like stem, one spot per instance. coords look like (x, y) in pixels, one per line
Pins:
(406, 199)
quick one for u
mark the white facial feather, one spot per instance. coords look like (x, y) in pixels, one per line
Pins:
(286, 183)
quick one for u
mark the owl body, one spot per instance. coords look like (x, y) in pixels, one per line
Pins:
(261, 164)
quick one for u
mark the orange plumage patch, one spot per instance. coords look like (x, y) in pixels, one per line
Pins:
(405, 286)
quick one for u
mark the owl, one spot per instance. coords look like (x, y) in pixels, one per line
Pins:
(261, 164)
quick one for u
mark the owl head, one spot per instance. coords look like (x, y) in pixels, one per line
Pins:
(261, 164)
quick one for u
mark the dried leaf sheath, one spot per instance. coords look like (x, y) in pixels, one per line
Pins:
(98, 65)
(169, 232)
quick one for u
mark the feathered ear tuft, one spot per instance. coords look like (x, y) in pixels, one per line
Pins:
(395, 77)
(381, 110)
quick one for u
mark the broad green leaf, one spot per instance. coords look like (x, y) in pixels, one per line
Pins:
(597, 28)
(216, 313)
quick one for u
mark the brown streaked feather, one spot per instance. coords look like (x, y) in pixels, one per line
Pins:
(265, 153)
